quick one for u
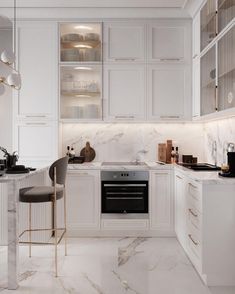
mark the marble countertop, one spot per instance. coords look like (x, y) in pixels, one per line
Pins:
(205, 177)
(19, 177)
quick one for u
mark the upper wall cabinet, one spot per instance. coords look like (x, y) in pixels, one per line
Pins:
(169, 92)
(80, 42)
(124, 92)
(208, 23)
(169, 40)
(124, 41)
(226, 12)
(226, 70)
(208, 82)
(37, 63)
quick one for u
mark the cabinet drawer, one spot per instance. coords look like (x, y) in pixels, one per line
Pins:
(194, 197)
(124, 224)
(194, 218)
(194, 242)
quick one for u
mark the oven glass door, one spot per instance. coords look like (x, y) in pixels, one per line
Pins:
(125, 197)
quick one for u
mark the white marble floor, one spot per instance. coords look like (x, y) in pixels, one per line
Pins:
(109, 266)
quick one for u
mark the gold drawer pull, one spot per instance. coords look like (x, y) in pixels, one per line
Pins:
(194, 242)
(191, 211)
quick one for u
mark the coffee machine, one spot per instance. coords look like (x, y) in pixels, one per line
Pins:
(230, 162)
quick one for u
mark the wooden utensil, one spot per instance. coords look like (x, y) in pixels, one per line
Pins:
(162, 152)
(168, 151)
(88, 152)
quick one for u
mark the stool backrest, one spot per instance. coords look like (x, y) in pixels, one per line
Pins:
(61, 170)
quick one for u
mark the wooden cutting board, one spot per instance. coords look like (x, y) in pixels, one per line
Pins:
(88, 152)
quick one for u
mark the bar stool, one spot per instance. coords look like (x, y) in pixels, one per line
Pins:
(41, 194)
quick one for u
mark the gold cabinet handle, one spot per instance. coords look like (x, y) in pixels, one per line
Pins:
(193, 213)
(194, 242)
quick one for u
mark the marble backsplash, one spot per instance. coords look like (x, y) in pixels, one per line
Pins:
(127, 142)
(221, 131)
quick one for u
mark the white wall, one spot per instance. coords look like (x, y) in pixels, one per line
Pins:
(6, 98)
(123, 142)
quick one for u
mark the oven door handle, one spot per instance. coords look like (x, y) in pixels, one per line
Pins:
(124, 198)
(125, 185)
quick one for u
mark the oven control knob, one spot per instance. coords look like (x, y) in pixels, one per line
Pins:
(124, 211)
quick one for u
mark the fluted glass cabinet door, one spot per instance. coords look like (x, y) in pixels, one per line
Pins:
(226, 70)
(208, 82)
(226, 12)
(208, 23)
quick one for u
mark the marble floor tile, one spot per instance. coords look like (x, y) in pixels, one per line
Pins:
(109, 266)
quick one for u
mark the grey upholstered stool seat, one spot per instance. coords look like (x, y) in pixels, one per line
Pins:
(40, 194)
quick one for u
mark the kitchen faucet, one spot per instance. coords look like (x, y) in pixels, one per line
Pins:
(214, 152)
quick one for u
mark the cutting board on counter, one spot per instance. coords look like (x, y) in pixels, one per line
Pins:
(88, 152)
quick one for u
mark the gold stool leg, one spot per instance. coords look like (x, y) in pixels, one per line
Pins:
(65, 224)
(55, 230)
(55, 221)
(30, 227)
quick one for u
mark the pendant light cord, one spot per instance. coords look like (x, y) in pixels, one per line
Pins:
(14, 40)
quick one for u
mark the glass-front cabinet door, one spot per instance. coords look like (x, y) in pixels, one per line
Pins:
(208, 82)
(226, 12)
(226, 70)
(208, 23)
(80, 42)
(81, 93)
(81, 71)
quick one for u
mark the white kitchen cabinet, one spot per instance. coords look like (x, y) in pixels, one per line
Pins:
(180, 210)
(37, 62)
(196, 36)
(83, 201)
(161, 201)
(204, 225)
(169, 41)
(169, 92)
(196, 88)
(124, 41)
(36, 141)
(124, 92)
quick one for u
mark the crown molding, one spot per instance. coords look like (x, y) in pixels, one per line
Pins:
(95, 3)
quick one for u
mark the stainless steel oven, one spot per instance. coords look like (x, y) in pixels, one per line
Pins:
(124, 191)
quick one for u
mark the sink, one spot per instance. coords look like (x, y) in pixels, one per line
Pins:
(200, 166)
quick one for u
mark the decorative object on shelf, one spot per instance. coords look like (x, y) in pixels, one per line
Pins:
(88, 152)
(7, 59)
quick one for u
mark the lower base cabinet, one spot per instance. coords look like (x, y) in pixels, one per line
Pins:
(83, 201)
(204, 225)
(161, 202)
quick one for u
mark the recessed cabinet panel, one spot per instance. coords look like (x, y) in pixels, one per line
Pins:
(37, 63)
(167, 91)
(208, 23)
(124, 91)
(36, 141)
(83, 201)
(226, 70)
(163, 40)
(161, 201)
(169, 41)
(80, 42)
(208, 82)
(226, 12)
(124, 41)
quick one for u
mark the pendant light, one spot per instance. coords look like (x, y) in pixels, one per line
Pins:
(7, 60)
